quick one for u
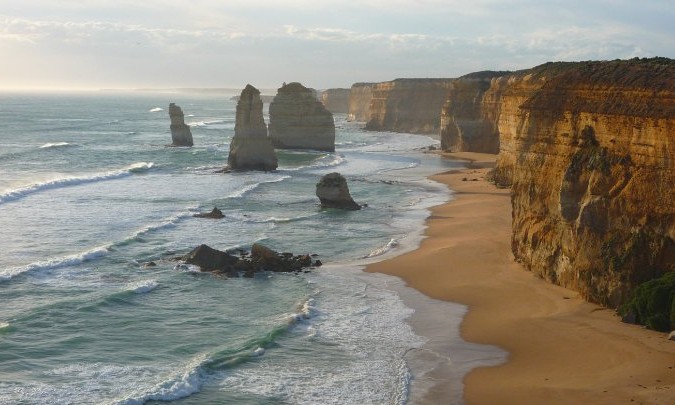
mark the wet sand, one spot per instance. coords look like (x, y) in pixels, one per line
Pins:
(562, 350)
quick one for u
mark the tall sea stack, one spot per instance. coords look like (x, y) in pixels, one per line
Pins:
(251, 148)
(298, 120)
(180, 132)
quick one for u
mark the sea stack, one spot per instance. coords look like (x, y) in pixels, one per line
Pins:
(180, 132)
(251, 148)
(298, 120)
(333, 192)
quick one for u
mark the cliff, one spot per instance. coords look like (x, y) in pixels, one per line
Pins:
(336, 100)
(469, 118)
(180, 132)
(298, 120)
(251, 148)
(588, 149)
(408, 105)
(360, 96)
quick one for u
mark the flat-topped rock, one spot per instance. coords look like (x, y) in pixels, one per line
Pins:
(251, 148)
(298, 120)
(180, 132)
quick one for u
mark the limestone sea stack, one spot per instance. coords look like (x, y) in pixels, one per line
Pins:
(180, 132)
(333, 192)
(298, 120)
(251, 148)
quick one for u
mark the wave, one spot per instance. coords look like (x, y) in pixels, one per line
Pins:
(250, 187)
(56, 145)
(59, 262)
(156, 109)
(206, 123)
(320, 163)
(143, 286)
(74, 181)
(393, 243)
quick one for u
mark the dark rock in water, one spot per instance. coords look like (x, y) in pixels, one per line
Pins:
(251, 148)
(215, 214)
(149, 264)
(260, 259)
(180, 132)
(333, 192)
(298, 120)
(209, 259)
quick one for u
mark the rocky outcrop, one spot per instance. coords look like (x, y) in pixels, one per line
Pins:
(588, 149)
(260, 258)
(336, 100)
(360, 96)
(214, 214)
(180, 132)
(468, 117)
(333, 192)
(251, 148)
(408, 105)
(298, 120)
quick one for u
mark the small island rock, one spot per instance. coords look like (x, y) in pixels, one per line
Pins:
(333, 192)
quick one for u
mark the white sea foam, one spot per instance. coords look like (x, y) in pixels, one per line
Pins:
(321, 163)
(250, 187)
(143, 286)
(74, 181)
(156, 109)
(258, 352)
(55, 263)
(206, 123)
(181, 384)
(392, 244)
(4, 325)
(55, 145)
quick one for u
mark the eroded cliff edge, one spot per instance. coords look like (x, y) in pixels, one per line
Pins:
(588, 149)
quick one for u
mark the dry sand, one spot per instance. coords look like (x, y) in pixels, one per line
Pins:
(562, 350)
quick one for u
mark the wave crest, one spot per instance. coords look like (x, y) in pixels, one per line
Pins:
(24, 191)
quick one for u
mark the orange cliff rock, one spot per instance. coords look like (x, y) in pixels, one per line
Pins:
(588, 149)
(360, 96)
(408, 105)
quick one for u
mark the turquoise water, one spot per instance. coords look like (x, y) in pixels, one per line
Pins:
(89, 193)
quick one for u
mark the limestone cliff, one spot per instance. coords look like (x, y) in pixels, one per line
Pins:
(336, 100)
(251, 148)
(588, 149)
(360, 96)
(298, 120)
(469, 118)
(408, 105)
(180, 132)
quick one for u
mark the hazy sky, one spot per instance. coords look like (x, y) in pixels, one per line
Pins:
(322, 43)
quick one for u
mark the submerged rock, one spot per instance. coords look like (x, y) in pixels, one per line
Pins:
(298, 120)
(251, 148)
(180, 132)
(333, 192)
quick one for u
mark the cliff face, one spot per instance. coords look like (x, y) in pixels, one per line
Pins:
(360, 96)
(408, 105)
(298, 120)
(336, 100)
(589, 151)
(470, 113)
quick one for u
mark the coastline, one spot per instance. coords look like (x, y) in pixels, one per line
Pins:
(561, 349)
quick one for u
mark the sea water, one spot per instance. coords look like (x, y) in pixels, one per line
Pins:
(89, 194)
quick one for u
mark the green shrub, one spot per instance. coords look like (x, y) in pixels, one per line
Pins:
(653, 303)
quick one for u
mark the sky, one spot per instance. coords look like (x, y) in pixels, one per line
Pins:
(93, 44)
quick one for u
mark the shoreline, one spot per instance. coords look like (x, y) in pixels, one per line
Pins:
(561, 349)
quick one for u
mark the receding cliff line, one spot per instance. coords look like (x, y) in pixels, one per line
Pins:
(360, 96)
(336, 100)
(588, 149)
(408, 105)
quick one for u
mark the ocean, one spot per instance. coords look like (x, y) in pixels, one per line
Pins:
(89, 193)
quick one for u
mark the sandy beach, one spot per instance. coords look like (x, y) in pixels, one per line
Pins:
(562, 350)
